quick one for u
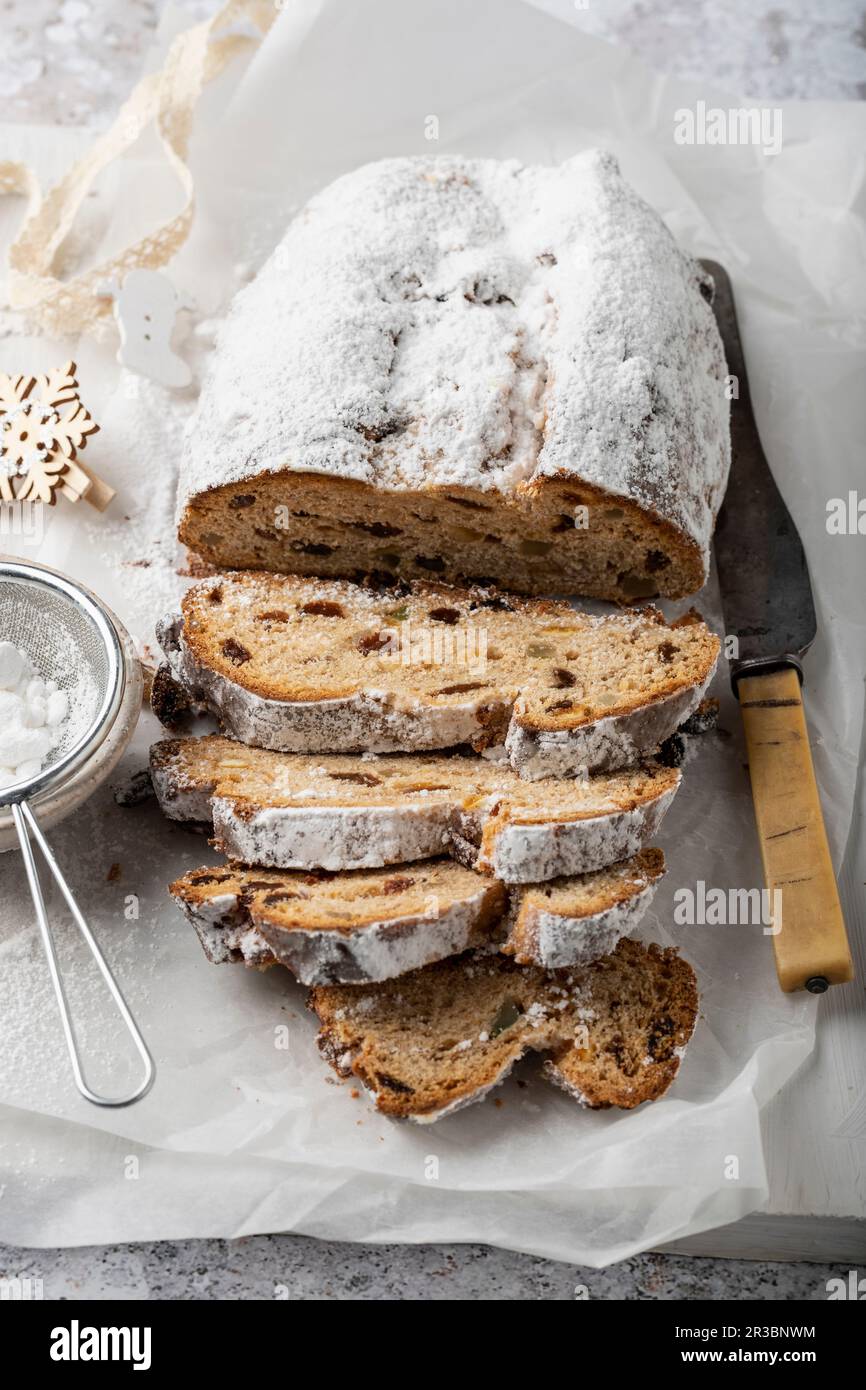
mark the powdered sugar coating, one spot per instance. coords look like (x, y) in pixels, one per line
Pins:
(551, 1072)
(179, 798)
(377, 951)
(562, 942)
(436, 321)
(345, 837)
(331, 837)
(536, 853)
(610, 742)
(231, 928)
(225, 932)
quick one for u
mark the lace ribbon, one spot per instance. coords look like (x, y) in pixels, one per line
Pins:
(169, 97)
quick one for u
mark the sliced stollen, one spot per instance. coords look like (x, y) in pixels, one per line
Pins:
(469, 367)
(297, 811)
(303, 665)
(571, 921)
(374, 925)
(435, 1041)
(340, 928)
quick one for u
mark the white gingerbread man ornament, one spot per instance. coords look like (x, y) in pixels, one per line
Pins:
(145, 307)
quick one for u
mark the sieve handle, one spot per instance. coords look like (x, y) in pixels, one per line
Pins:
(25, 825)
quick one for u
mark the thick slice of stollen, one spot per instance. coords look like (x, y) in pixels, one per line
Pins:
(437, 1040)
(340, 928)
(339, 812)
(304, 665)
(377, 924)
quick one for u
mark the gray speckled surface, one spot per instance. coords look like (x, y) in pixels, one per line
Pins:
(264, 1267)
(73, 64)
(790, 50)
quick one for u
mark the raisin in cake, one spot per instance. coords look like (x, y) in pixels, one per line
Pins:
(474, 369)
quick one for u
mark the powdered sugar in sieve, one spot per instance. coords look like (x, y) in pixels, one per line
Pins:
(65, 645)
(68, 638)
(36, 715)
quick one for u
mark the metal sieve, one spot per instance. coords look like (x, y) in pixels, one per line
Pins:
(71, 639)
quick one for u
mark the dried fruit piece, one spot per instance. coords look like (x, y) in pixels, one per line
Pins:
(364, 779)
(323, 608)
(236, 652)
(392, 1084)
(656, 560)
(372, 642)
(397, 885)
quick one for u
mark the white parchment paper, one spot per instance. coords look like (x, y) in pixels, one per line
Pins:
(242, 1134)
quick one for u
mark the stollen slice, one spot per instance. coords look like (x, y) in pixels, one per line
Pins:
(375, 925)
(571, 921)
(302, 811)
(340, 928)
(304, 665)
(429, 1044)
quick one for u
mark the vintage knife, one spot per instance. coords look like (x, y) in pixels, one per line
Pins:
(767, 602)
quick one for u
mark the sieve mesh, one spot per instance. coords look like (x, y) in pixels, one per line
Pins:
(65, 645)
(71, 639)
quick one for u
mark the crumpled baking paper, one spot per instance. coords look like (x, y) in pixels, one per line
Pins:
(246, 1130)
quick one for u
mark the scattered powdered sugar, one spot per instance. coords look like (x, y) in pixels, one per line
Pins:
(135, 542)
(536, 1014)
(454, 321)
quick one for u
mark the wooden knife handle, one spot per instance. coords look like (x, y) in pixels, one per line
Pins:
(812, 943)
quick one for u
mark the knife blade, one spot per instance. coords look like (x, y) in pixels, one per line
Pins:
(764, 578)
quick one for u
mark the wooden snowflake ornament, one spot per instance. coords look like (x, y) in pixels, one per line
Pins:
(43, 425)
